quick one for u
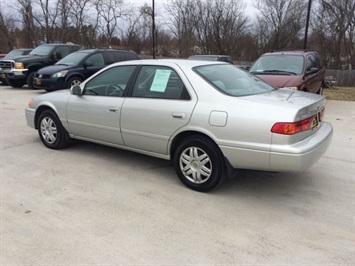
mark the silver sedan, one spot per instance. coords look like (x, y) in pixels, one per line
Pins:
(209, 118)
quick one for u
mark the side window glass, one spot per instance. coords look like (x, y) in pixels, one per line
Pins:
(159, 82)
(311, 62)
(112, 82)
(112, 57)
(95, 60)
(61, 52)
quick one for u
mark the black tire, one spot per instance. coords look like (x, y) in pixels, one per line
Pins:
(4, 82)
(51, 132)
(29, 80)
(16, 83)
(199, 163)
(74, 81)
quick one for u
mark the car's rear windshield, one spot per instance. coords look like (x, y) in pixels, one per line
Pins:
(272, 63)
(232, 81)
(72, 59)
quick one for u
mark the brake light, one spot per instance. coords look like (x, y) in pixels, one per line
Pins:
(295, 127)
(30, 103)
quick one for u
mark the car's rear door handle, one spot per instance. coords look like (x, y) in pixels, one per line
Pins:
(112, 109)
(178, 115)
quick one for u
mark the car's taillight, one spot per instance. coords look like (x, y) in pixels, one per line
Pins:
(295, 127)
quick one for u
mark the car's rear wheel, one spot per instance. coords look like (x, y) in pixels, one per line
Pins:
(15, 83)
(50, 130)
(199, 163)
(29, 79)
(74, 81)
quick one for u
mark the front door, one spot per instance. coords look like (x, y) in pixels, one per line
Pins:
(95, 115)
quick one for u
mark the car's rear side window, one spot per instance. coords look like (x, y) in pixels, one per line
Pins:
(159, 82)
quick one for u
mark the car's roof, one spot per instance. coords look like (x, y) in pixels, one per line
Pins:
(210, 55)
(102, 50)
(295, 52)
(179, 62)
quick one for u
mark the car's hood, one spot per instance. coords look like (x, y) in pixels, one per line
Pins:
(52, 69)
(281, 81)
(24, 58)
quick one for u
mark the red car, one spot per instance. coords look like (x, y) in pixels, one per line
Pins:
(298, 70)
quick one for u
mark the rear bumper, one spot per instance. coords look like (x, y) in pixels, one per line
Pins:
(302, 155)
(282, 158)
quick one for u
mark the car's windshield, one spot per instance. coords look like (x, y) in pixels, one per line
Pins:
(278, 64)
(233, 81)
(15, 52)
(42, 50)
(72, 59)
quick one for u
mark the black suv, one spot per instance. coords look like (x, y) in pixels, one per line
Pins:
(21, 69)
(297, 70)
(78, 66)
(10, 55)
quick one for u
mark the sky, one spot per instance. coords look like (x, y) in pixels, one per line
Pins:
(250, 10)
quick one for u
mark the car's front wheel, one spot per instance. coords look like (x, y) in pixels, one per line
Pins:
(16, 83)
(50, 130)
(74, 81)
(199, 163)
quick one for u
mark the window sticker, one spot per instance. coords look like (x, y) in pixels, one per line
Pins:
(160, 81)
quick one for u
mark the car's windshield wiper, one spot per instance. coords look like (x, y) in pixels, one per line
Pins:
(278, 71)
(62, 64)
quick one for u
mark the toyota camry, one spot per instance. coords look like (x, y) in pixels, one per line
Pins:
(208, 118)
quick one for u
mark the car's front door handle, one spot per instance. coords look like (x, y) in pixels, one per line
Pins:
(178, 115)
(112, 109)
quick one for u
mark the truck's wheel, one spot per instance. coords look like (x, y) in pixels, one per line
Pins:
(16, 83)
(29, 80)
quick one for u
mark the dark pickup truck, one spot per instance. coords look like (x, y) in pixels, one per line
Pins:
(20, 70)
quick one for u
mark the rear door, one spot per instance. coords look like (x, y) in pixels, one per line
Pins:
(160, 104)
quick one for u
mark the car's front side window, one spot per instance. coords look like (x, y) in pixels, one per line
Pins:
(112, 82)
(159, 82)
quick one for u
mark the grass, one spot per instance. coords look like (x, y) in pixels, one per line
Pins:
(340, 93)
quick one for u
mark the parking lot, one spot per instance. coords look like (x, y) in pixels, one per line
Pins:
(95, 205)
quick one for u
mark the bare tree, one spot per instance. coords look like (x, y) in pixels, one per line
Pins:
(25, 10)
(79, 13)
(7, 27)
(334, 24)
(181, 24)
(280, 23)
(109, 13)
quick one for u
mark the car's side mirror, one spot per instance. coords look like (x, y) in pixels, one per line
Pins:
(76, 90)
